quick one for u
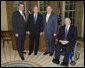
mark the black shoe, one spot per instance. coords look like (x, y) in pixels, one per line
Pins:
(29, 53)
(46, 53)
(56, 61)
(35, 53)
(64, 64)
(51, 54)
(22, 57)
(24, 52)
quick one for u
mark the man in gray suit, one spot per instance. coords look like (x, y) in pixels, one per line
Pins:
(50, 29)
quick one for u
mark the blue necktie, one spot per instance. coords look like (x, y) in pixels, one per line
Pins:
(35, 19)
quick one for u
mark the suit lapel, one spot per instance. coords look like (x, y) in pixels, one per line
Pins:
(37, 18)
(64, 29)
(33, 18)
(45, 18)
(20, 15)
(49, 17)
(69, 31)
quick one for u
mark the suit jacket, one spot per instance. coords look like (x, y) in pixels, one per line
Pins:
(71, 36)
(38, 27)
(19, 24)
(51, 26)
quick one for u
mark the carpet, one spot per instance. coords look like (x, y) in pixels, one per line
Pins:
(20, 64)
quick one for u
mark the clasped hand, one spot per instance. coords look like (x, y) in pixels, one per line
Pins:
(63, 42)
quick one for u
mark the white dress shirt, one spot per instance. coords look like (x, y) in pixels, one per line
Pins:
(20, 12)
(36, 15)
(67, 27)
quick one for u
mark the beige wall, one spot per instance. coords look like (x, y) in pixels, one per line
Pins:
(82, 35)
(4, 24)
(9, 6)
(79, 14)
(79, 6)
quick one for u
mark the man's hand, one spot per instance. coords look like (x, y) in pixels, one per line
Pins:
(16, 35)
(29, 12)
(27, 32)
(54, 35)
(64, 42)
(41, 33)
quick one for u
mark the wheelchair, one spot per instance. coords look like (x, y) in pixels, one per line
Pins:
(75, 54)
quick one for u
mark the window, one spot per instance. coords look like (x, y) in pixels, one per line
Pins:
(69, 10)
(16, 6)
(42, 6)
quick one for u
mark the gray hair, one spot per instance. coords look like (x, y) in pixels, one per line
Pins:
(68, 19)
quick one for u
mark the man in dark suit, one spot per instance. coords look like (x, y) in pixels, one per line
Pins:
(19, 23)
(66, 40)
(34, 29)
(50, 29)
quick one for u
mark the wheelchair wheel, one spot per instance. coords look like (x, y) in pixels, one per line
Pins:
(77, 51)
(72, 63)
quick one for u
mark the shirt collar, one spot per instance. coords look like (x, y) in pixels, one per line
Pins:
(20, 11)
(48, 14)
(68, 27)
(34, 14)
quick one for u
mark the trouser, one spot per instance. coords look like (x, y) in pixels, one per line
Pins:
(67, 52)
(20, 44)
(34, 37)
(49, 39)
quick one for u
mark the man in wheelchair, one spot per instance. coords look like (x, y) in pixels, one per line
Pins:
(66, 40)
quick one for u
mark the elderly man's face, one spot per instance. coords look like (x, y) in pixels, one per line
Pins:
(67, 22)
(49, 9)
(35, 9)
(21, 7)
